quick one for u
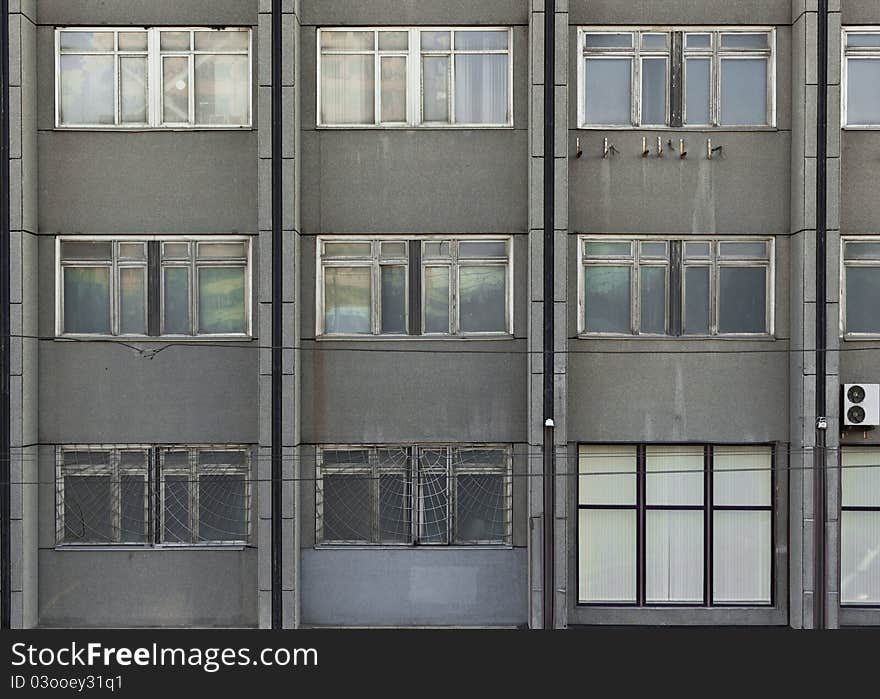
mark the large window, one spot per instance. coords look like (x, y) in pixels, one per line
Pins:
(148, 286)
(860, 526)
(675, 525)
(674, 77)
(459, 494)
(695, 287)
(146, 495)
(861, 77)
(419, 286)
(415, 77)
(860, 286)
(140, 78)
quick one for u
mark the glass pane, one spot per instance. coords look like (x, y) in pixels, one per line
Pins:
(607, 556)
(742, 300)
(481, 89)
(393, 299)
(87, 300)
(608, 90)
(76, 250)
(607, 295)
(221, 41)
(607, 474)
(132, 41)
(482, 298)
(862, 251)
(393, 88)
(222, 458)
(481, 507)
(435, 88)
(133, 89)
(87, 95)
(744, 250)
(394, 508)
(674, 556)
(697, 90)
(465, 459)
(433, 506)
(654, 41)
(674, 475)
(88, 509)
(862, 96)
(436, 299)
(436, 249)
(862, 288)
(223, 507)
(741, 557)
(608, 249)
(176, 251)
(435, 41)
(86, 458)
(698, 41)
(86, 41)
(602, 41)
(177, 528)
(744, 41)
(174, 41)
(696, 300)
(862, 39)
(175, 302)
(222, 90)
(175, 459)
(222, 300)
(742, 476)
(859, 559)
(696, 250)
(347, 250)
(132, 251)
(653, 299)
(347, 90)
(477, 250)
(476, 41)
(743, 91)
(653, 250)
(654, 83)
(345, 457)
(132, 301)
(393, 41)
(175, 89)
(351, 41)
(860, 477)
(347, 300)
(133, 459)
(222, 250)
(390, 250)
(133, 515)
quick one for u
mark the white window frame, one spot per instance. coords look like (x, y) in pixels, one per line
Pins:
(414, 76)
(715, 52)
(855, 52)
(154, 78)
(715, 261)
(845, 334)
(194, 265)
(375, 264)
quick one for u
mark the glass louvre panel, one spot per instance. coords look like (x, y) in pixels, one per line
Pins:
(222, 90)
(744, 249)
(87, 300)
(132, 41)
(393, 41)
(222, 458)
(603, 41)
(862, 287)
(393, 88)
(741, 476)
(393, 299)
(608, 90)
(175, 301)
(348, 41)
(347, 300)
(222, 507)
(607, 555)
(862, 95)
(435, 41)
(698, 90)
(692, 250)
(698, 41)
(87, 41)
(654, 41)
(607, 475)
(175, 89)
(132, 301)
(653, 98)
(88, 509)
(435, 88)
(132, 251)
(221, 41)
(76, 250)
(436, 249)
(222, 300)
(742, 556)
(481, 507)
(221, 250)
(133, 89)
(175, 506)
(479, 41)
(174, 41)
(482, 298)
(595, 249)
(653, 299)
(859, 562)
(347, 249)
(674, 556)
(436, 299)
(861, 251)
(744, 41)
(472, 249)
(742, 300)
(133, 509)
(744, 91)
(433, 506)
(696, 301)
(177, 251)
(394, 508)
(345, 457)
(674, 475)
(862, 40)
(347, 89)
(860, 477)
(481, 88)
(87, 94)
(653, 249)
(176, 459)
(390, 250)
(607, 296)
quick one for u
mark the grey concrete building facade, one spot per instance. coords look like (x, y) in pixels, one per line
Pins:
(287, 181)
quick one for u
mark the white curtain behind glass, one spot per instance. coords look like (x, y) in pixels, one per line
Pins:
(481, 89)
(347, 89)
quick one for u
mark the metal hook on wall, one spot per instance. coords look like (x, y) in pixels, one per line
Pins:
(659, 147)
(682, 153)
(645, 146)
(710, 151)
(578, 152)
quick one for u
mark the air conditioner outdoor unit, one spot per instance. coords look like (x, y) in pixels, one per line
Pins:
(861, 404)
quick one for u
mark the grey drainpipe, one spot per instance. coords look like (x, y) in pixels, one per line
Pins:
(5, 440)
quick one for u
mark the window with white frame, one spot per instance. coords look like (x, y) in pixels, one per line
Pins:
(859, 526)
(150, 286)
(415, 77)
(675, 525)
(148, 495)
(676, 77)
(414, 286)
(694, 287)
(388, 494)
(861, 77)
(860, 286)
(141, 78)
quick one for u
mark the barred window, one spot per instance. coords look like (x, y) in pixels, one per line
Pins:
(147, 495)
(413, 495)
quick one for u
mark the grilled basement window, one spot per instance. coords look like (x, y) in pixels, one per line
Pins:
(403, 287)
(147, 78)
(149, 286)
(861, 77)
(400, 76)
(149, 496)
(859, 524)
(662, 525)
(860, 286)
(695, 287)
(429, 495)
(676, 77)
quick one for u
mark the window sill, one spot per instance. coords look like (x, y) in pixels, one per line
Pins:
(158, 548)
(152, 129)
(860, 127)
(678, 338)
(873, 337)
(412, 338)
(689, 129)
(411, 127)
(164, 339)
(411, 547)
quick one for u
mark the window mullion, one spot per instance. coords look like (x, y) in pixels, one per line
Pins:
(636, 81)
(635, 322)
(194, 495)
(676, 80)
(115, 496)
(416, 518)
